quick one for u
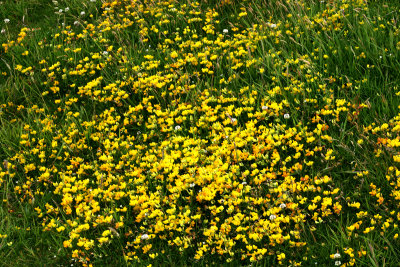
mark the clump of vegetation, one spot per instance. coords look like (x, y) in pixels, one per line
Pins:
(209, 132)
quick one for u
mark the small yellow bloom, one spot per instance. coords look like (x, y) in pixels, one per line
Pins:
(281, 256)
(174, 54)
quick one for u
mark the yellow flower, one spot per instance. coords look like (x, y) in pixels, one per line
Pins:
(67, 244)
(174, 54)
(103, 240)
(281, 256)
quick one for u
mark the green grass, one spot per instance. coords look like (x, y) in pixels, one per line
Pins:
(317, 55)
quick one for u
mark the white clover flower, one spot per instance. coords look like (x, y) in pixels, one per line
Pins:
(225, 31)
(264, 107)
(92, 1)
(286, 116)
(282, 206)
(192, 185)
(233, 120)
(336, 256)
(273, 25)
(60, 11)
(144, 237)
(66, 9)
(76, 22)
(83, 13)
(6, 21)
(272, 217)
(3, 31)
(105, 53)
(337, 263)
(177, 127)
(244, 182)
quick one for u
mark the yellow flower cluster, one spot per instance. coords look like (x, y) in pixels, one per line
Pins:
(148, 141)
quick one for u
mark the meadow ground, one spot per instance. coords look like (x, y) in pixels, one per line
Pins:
(206, 133)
